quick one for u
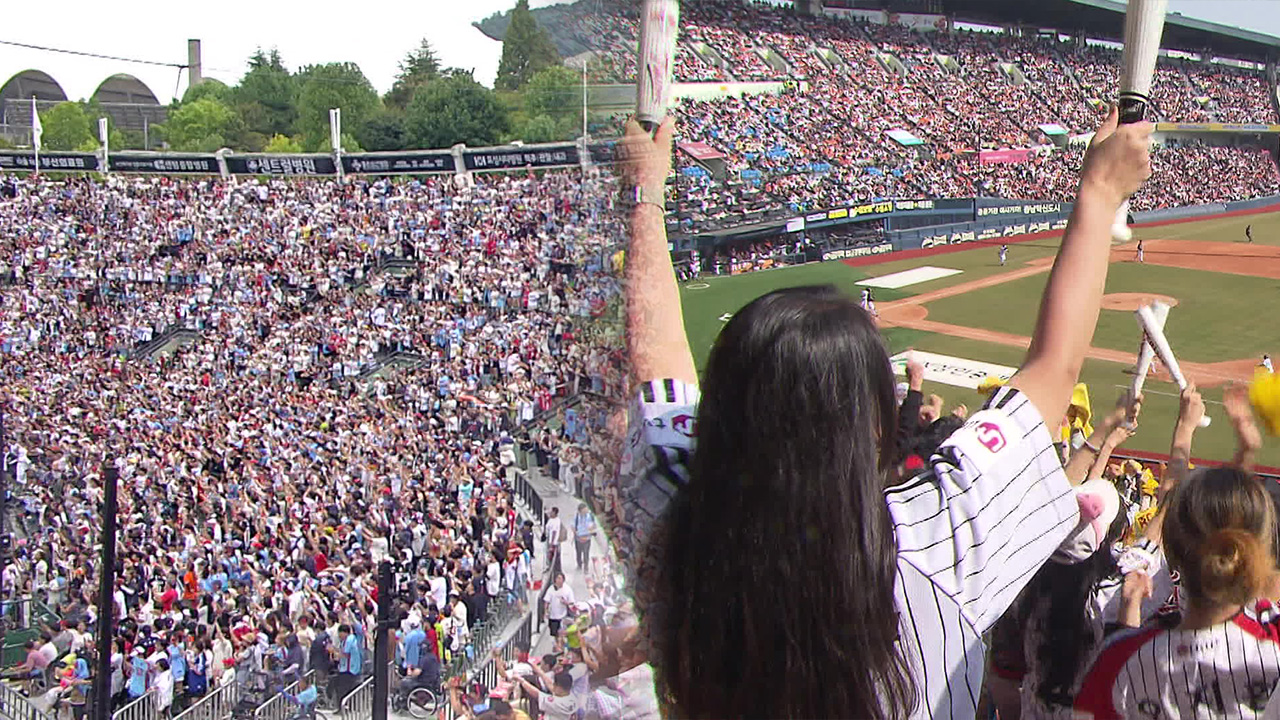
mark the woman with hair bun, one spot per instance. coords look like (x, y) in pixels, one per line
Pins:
(1221, 655)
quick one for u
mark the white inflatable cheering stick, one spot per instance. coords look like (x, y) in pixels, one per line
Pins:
(1152, 326)
(659, 25)
(1146, 353)
(1143, 26)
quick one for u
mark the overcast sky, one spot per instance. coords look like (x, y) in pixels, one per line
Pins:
(375, 36)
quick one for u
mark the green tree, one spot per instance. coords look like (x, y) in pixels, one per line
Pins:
(209, 87)
(555, 92)
(526, 49)
(417, 69)
(5, 144)
(383, 131)
(282, 144)
(66, 127)
(540, 129)
(202, 126)
(332, 85)
(116, 136)
(455, 109)
(266, 98)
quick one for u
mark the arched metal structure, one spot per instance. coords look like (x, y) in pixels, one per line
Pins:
(15, 99)
(125, 88)
(32, 82)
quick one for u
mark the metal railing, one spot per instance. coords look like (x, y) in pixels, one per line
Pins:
(15, 706)
(215, 705)
(144, 708)
(487, 673)
(279, 707)
(358, 704)
(524, 492)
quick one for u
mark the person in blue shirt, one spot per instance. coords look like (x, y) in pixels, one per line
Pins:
(349, 663)
(177, 668)
(413, 645)
(306, 699)
(137, 674)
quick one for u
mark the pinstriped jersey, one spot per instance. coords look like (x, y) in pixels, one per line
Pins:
(971, 534)
(971, 531)
(1228, 670)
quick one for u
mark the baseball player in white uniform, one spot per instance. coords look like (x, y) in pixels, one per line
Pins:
(1266, 363)
(1004, 254)
(869, 303)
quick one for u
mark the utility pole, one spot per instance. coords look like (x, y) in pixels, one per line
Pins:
(106, 584)
(382, 644)
(6, 543)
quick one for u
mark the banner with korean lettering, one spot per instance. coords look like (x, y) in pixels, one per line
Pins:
(520, 157)
(163, 163)
(65, 162)
(398, 163)
(281, 165)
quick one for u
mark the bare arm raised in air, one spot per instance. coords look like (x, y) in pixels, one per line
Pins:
(656, 340)
(1088, 461)
(1248, 439)
(1114, 168)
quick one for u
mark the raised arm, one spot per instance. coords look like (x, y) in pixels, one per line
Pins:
(1117, 437)
(1090, 459)
(656, 340)
(1190, 410)
(1248, 439)
(1115, 166)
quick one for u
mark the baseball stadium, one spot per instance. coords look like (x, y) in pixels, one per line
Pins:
(851, 144)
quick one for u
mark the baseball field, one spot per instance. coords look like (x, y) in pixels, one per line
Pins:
(968, 310)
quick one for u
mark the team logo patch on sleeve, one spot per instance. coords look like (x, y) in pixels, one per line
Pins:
(991, 436)
(685, 425)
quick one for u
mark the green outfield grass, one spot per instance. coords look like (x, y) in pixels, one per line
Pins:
(1220, 317)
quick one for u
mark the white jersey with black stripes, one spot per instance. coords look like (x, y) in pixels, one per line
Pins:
(971, 531)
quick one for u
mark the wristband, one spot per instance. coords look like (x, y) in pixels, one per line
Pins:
(1090, 446)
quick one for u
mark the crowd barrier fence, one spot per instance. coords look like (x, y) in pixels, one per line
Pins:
(15, 706)
(217, 704)
(487, 673)
(278, 706)
(144, 708)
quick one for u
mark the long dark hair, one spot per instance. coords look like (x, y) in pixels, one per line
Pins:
(780, 554)
(1058, 596)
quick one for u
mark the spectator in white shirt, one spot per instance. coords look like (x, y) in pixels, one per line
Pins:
(559, 601)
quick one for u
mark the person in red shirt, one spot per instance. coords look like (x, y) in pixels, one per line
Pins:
(168, 597)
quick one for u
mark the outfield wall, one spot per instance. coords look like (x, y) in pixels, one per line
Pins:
(923, 242)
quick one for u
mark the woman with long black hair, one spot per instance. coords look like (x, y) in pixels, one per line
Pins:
(782, 568)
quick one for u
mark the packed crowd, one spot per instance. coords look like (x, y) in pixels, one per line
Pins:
(956, 91)
(269, 465)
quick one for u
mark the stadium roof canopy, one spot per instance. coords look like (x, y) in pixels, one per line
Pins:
(1104, 20)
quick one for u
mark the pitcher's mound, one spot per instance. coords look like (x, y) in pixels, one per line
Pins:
(1132, 301)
